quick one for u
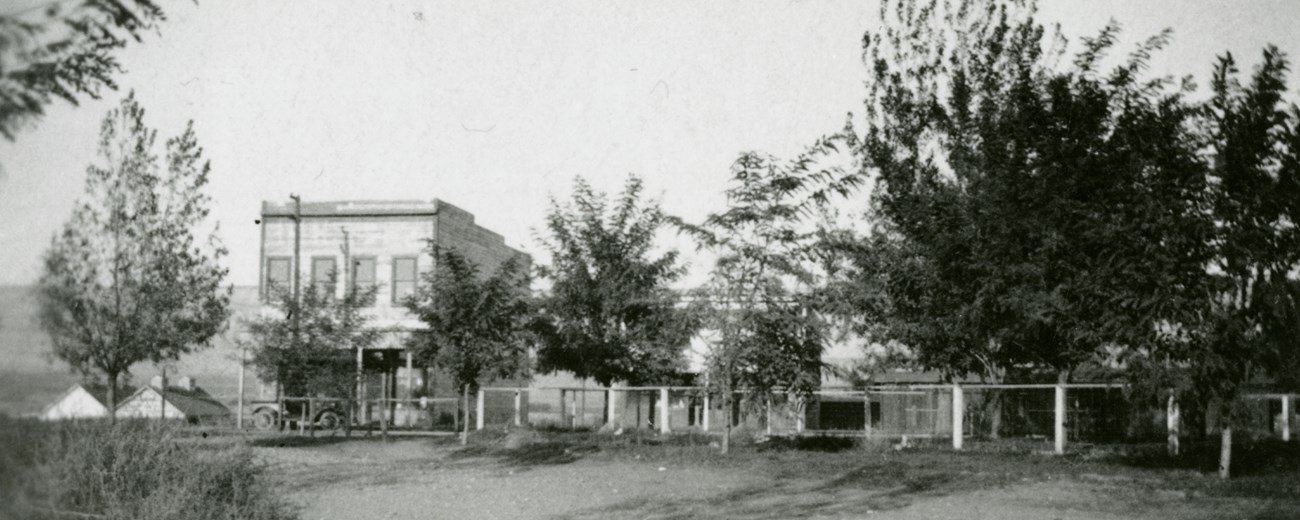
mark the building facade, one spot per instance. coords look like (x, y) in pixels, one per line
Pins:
(387, 246)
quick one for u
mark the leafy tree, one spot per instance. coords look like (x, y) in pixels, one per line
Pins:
(1029, 214)
(321, 359)
(64, 50)
(1253, 319)
(610, 314)
(761, 300)
(128, 279)
(476, 326)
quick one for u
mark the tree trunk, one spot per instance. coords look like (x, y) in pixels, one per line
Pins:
(464, 436)
(995, 413)
(726, 433)
(112, 398)
(1225, 452)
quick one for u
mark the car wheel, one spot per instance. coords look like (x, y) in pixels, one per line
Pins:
(264, 419)
(328, 421)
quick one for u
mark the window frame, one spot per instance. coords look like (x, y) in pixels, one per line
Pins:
(352, 271)
(266, 280)
(334, 265)
(415, 276)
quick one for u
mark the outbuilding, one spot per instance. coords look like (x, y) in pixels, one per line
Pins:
(185, 400)
(82, 401)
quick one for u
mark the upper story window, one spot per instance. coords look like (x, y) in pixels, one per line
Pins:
(363, 272)
(322, 267)
(404, 276)
(278, 275)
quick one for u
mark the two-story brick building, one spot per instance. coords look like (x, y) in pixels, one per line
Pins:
(388, 244)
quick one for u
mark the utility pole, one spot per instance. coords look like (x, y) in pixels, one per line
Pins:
(239, 414)
(297, 268)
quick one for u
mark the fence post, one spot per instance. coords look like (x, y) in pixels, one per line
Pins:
(1286, 417)
(663, 410)
(958, 416)
(518, 408)
(478, 419)
(707, 411)
(1060, 419)
(1171, 425)
(609, 408)
(302, 420)
(573, 409)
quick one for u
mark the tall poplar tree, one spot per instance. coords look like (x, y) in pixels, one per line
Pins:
(130, 277)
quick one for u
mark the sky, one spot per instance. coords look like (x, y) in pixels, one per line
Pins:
(494, 106)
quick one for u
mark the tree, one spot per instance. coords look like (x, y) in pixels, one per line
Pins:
(129, 279)
(1252, 321)
(1029, 214)
(610, 314)
(761, 301)
(476, 326)
(64, 50)
(313, 355)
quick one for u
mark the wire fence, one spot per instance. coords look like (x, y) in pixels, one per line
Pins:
(1052, 414)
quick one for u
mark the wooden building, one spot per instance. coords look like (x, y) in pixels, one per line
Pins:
(182, 401)
(387, 244)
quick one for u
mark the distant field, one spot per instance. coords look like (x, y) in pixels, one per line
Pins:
(29, 380)
(27, 392)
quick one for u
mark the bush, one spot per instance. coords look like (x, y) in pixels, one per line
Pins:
(132, 470)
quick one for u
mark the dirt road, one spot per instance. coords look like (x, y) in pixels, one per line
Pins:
(417, 478)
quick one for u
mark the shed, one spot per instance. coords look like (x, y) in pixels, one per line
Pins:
(82, 401)
(183, 401)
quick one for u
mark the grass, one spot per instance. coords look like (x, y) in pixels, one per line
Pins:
(131, 470)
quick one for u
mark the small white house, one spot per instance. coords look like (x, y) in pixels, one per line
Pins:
(82, 401)
(184, 401)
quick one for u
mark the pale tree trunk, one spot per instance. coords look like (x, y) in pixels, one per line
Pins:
(1225, 452)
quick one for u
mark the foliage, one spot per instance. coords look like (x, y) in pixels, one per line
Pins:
(127, 279)
(1253, 318)
(317, 358)
(64, 50)
(1027, 213)
(131, 470)
(761, 303)
(610, 315)
(476, 326)
(760, 300)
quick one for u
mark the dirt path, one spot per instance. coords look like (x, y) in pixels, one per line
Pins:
(416, 479)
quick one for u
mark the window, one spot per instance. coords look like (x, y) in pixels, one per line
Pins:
(322, 267)
(403, 278)
(363, 272)
(278, 272)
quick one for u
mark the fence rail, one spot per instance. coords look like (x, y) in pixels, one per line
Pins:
(1048, 413)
